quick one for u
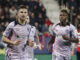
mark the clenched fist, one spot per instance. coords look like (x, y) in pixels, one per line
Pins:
(17, 42)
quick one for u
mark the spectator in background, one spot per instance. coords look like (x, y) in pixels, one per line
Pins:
(32, 18)
(72, 3)
(6, 24)
(77, 20)
(38, 4)
(62, 2)
(78, 3)
(79, 10)
(47, 21)
(45, 28)
(37, 26)
(72, 14)
(31, 4)
(13, 11)
(2, 26)
(35, 10)
(2, 19)
(43, 11)
(1, 11)
(40, 19)
(27, 6)
(23, 2)
(6, 12)
(7, 3)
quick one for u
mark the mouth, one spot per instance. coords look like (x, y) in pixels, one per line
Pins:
(23, 16)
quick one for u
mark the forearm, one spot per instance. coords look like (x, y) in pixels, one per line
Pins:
(37, 40)
(75, 40)
(51, 40)
(73, 46)
(7, 41)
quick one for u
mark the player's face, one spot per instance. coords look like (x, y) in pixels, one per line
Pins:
(27, 19)
(22, 13)
(63, 17)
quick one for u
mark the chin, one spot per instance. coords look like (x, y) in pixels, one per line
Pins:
(22, 19)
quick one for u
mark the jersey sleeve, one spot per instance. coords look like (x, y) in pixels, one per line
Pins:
(8, 29)
(32, 33)
(74, 31)
(36, 32)
(52, 30)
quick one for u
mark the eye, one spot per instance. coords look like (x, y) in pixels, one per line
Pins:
(25, 12)
(21, 12)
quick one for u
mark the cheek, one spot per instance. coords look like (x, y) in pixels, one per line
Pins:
(19, 14)
(26, 14)
(65, 17)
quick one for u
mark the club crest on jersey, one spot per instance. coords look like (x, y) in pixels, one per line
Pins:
(17, 29)
(67, 31)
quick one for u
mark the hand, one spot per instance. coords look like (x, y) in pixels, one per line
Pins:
(65, 37)
(39, 46)
(17, 42)
(31, 43)
(72, 53)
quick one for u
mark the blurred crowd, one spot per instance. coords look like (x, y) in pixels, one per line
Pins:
(37, 12)
(74, 10)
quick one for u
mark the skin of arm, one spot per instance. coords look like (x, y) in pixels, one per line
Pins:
(75, 40)
(51, 41)
(39, 44)
(73, 46)
(6, 40)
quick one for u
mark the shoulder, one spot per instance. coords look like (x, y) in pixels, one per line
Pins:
(11, 25)
(54, 25)
(72, 26)
(28, 25)
(33, 27)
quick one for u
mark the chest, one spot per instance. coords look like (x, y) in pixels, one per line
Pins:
(62, 30)
(21, 31)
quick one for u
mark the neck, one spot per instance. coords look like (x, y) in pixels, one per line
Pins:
(22, 22)
(63, 23)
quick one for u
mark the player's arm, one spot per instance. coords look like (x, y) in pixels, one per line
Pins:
(37, 40)
(7, 33)
(73, 46)
(51, 41)
(75, 40)
(74, 33)
(52, 38)
(7, 41)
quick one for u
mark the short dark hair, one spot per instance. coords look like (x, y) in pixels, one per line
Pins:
(65, 11)
(21, 7)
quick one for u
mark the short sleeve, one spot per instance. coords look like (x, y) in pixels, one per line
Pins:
(8, 29)
(73, 31)
(36, 32)
(33, 33)
(52, 30)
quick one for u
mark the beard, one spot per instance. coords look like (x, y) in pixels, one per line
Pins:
(22, 18)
